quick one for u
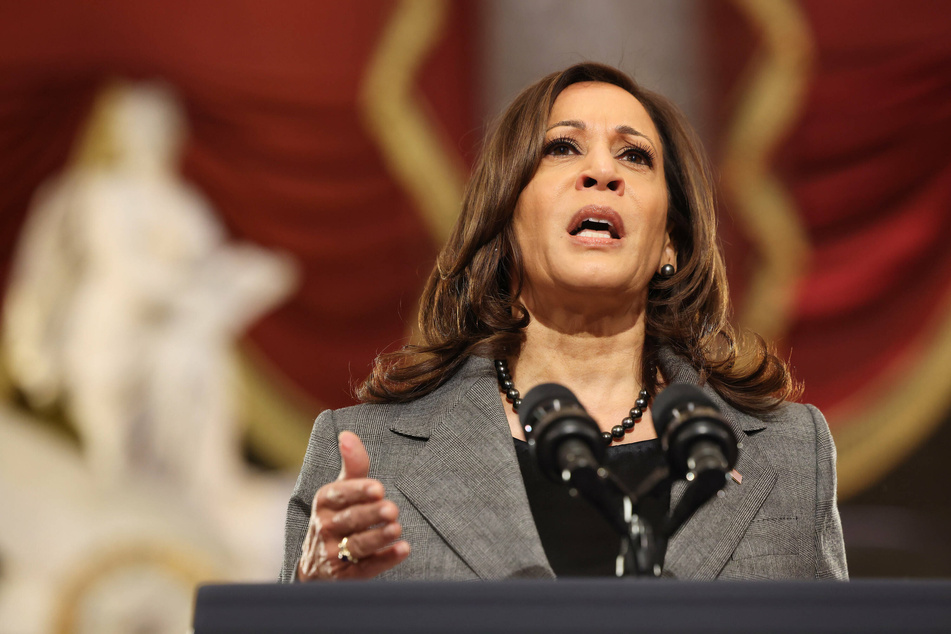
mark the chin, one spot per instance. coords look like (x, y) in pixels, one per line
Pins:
(615, 285)
(594, 275)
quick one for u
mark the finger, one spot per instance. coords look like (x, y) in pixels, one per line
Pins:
(360, 517)
(355, 463)
(366, 543)
(379, 562)
(343, 493)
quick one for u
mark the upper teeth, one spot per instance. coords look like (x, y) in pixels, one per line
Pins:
(595, 225)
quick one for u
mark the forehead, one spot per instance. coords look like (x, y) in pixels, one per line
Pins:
(599, 104)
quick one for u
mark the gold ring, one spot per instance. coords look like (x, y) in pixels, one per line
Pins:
(343, 553)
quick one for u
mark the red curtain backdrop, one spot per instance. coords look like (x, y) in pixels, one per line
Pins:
(281, 146)
(867, 166)
(278, 143)
(852, 108)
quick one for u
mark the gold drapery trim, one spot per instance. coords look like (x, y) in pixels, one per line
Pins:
(881, 425)
(95, 145)
(273, 414)
(430, 174)
(888, 420)
(771, 100)
(393, 117)
(276, 417)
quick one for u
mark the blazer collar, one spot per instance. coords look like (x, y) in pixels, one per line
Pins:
(476, 369)
(419, 418)
(480, 507)
(678, 370)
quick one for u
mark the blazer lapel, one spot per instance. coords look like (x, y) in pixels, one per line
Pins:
(705, 543)
(467, 484)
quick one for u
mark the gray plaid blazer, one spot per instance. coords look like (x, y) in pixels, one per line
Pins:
(448, 462)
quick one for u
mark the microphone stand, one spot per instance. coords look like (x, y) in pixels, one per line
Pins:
(637, 516)
(566, 443)
(642, 527)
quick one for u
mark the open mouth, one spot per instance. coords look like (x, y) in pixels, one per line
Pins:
(595, 227)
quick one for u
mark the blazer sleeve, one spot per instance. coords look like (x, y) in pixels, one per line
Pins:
(321, 465)
(830, 546)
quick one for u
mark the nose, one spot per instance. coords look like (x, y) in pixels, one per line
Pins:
(600, 173)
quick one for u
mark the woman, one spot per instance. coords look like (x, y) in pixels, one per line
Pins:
(585, 255)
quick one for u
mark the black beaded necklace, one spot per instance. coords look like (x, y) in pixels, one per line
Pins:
(617, 432)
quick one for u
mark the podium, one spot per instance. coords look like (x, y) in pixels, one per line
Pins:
(576, 605)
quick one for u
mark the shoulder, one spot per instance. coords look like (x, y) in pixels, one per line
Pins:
(789, 419)
(797, 427)
(798, 418)
(792, 439)
(795, 443)
(802, 414)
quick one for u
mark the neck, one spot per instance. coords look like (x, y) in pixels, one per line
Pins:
(596, 354)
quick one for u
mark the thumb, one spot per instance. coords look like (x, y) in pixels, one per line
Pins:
(355, 463)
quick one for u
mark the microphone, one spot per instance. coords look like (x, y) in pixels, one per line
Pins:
(700, 446)
(568, 448)
(563, 436)
(693, 433)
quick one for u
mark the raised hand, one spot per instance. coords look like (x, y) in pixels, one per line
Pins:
(352, 525)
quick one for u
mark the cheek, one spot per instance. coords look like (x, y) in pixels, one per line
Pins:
(520, 229)
(530, 238)
(526, 237)
(528, 218)
(655, 207)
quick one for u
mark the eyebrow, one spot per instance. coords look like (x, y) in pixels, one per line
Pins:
(580, 125)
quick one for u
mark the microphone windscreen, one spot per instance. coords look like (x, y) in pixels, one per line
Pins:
(543, 393)
(677, 396)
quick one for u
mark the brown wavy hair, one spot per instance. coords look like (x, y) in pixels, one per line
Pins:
(470, 308)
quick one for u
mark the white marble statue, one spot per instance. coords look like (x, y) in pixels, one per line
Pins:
(126, 300)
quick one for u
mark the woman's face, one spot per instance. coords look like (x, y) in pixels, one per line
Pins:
(593, 219)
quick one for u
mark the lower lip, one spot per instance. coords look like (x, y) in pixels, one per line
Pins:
(594, 241)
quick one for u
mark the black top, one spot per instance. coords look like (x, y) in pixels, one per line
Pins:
(577, 540)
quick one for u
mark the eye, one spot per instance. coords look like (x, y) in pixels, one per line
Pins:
(638, 155)
(562, 146)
